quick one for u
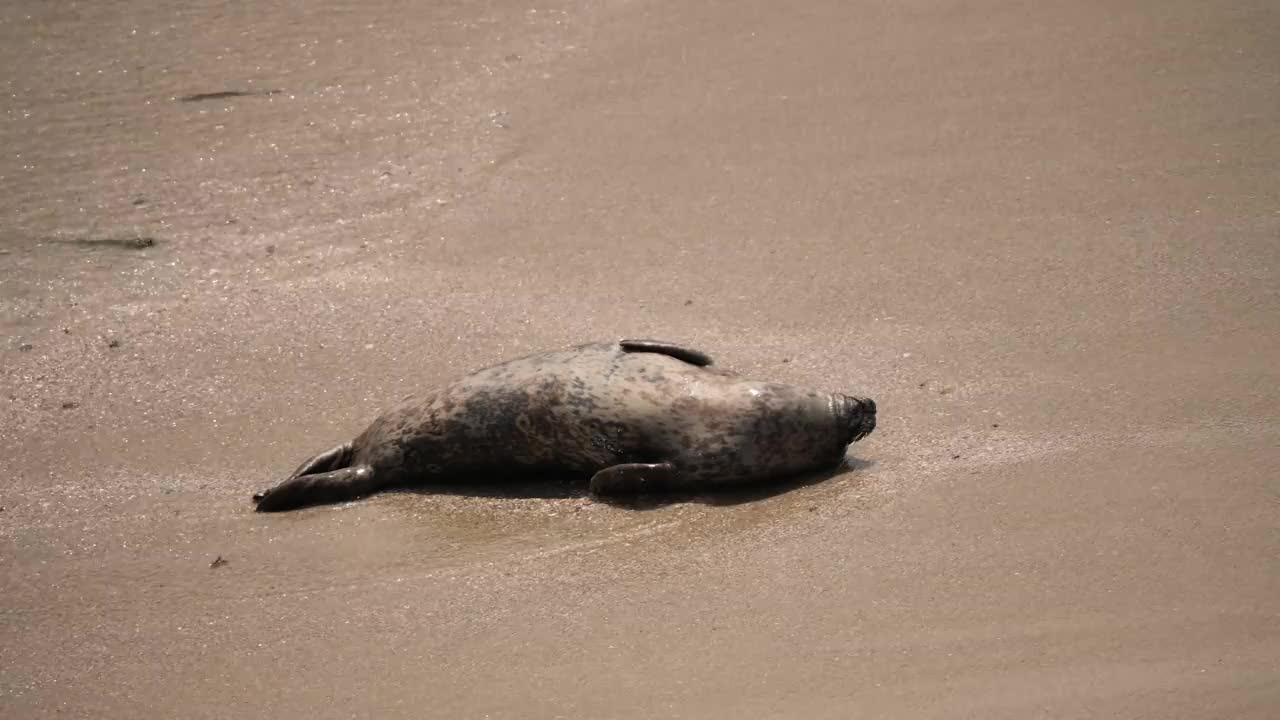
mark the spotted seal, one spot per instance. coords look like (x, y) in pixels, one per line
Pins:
(634, 415)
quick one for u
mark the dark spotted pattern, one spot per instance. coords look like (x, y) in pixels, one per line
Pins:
(596, 406)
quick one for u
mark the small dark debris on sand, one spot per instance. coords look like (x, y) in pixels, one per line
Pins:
(113, 343)
(217, 562)
(70, 405)
(942, 389)
(25, 347)
(139, 202)
(224, 94)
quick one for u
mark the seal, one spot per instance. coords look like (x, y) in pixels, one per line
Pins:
(634, 415)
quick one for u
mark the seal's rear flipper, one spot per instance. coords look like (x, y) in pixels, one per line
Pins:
(317, 489)
(332, 459)
(631, 478)
(693, 357)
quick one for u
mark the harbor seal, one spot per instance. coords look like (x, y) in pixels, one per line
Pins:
(634, 415)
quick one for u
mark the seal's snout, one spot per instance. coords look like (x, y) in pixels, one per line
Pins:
(858, 416)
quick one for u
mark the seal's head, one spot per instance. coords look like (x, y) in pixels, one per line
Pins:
(791, 429)
(857, 416)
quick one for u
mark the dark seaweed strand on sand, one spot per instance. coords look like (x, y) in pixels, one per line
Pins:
(224, 94)
(134, 242)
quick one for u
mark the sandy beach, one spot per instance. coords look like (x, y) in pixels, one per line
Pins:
(1044, 237)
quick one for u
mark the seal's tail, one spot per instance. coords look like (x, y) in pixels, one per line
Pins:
(326, 478)
(858, 414)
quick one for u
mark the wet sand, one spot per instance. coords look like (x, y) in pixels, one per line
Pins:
(1045, 238)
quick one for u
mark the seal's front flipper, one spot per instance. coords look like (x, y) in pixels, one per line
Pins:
(632, 478)
(689, 355)
(317, 489)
